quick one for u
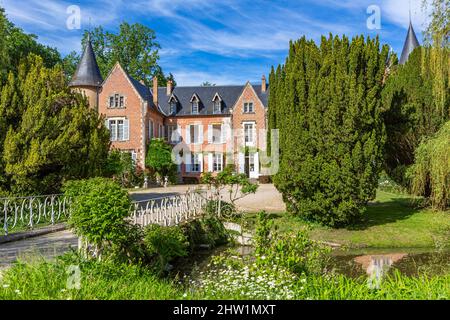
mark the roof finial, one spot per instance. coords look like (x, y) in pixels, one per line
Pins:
(89, 29)
(410, 21)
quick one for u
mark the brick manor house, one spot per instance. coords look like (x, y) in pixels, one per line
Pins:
(209, 127)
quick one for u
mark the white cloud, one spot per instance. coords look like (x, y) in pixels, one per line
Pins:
(397, 11)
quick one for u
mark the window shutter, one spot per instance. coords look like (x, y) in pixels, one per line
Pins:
(241, 162)
(107, 124)
(210, 162)
(178, 139)
(254, 133)
(224, 133)
(200, 159)
(188, 134)
(187, 162)
(126, 129)
(178, 162)
(200, 134)
(210, 134)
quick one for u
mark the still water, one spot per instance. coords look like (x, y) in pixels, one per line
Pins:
(353, 263)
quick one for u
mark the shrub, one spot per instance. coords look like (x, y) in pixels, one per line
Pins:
(208, 231)
(98, 212)
(293, 251)
(166, 243)
(159, 160)
(121, 168)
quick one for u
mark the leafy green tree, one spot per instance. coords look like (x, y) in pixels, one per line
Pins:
(412, 112)
(325, 101)
(159, 159)
(15, 45)
(208, 84)
(49, 134)
(430, 172)
(134, 46)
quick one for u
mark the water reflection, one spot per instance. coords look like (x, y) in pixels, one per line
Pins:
(376, 266)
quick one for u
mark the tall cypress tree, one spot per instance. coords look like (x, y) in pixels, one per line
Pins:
(327, 108)
(49, 134)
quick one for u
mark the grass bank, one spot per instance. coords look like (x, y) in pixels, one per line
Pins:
(110, 281)
(391, 221)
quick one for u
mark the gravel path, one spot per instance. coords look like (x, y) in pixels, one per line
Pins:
(266, 198)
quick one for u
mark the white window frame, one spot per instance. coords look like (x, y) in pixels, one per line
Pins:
(217, 166)
(253, 135)
(247, 105)
(113, 126)
(196, 162)
(199, 136)
(195, 107)
(217, 107)
(220, 138)
(117, 101)
(171, 131)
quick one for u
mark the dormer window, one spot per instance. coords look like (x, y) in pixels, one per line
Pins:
(195, 101)
(117, 101)
(195, 107)
(173, 107)
(173, 103)
(217, 104)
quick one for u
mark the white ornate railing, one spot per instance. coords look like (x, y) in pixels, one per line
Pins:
(27, 212)
(169, 211)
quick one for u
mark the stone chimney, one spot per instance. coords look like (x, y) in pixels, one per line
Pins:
(169, 87)
(264, 84)
(155, 91)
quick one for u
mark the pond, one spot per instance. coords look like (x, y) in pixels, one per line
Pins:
(409, 261)
(352, 263)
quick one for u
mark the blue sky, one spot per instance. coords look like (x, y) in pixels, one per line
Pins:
(220, 41)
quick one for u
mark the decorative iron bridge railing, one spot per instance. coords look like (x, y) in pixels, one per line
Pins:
(29, 212)
(170, 211)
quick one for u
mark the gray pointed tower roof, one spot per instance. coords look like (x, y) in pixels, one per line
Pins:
(88, 72)
(411, 43)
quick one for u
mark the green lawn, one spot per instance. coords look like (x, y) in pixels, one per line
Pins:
(391, 221)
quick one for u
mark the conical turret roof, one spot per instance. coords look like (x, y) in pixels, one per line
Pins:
(88, 72)
(411, 43)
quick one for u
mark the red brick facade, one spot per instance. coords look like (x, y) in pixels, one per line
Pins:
(130, 114)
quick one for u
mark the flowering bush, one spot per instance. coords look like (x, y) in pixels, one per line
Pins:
(231, 278)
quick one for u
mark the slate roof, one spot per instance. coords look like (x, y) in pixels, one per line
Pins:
(88, 73)
(411, 43)
(142, 89)
(228, 94)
